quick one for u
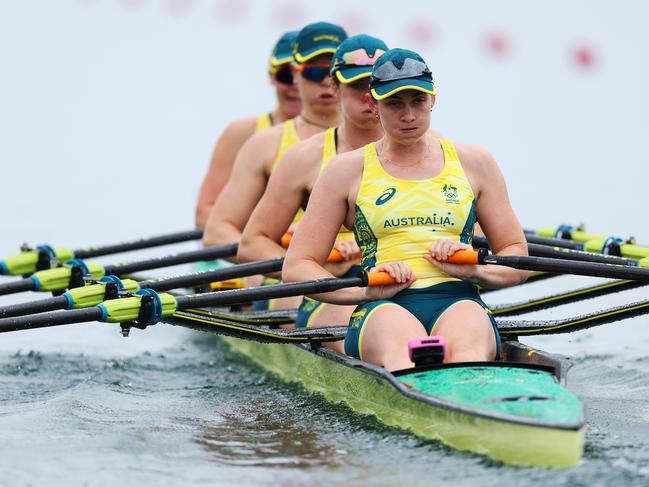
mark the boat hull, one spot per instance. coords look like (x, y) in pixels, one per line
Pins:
(343, 380)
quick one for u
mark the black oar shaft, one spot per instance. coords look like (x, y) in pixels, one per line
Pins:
(539, 250)
(170, 260)
(554, 242)
(592, 269)
(164, 284)
(19, 286)
(33, 307)
(198, 278)
(558, 252)
(238, 296)
(54, 318)
(144, 243)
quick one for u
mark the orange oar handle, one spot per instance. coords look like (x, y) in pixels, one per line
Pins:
(334, 255)
(468, 257)
(379, 279)
(286, 239)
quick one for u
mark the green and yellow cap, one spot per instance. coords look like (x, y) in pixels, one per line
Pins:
(356, 56)
(283, 51)
(317, 38)
(398, 70)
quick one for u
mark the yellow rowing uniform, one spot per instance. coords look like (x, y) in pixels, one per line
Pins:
(289, 137)
(263, 122)
(329, 151)
(398, 219)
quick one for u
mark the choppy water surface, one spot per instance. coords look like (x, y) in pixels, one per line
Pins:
(82, 406)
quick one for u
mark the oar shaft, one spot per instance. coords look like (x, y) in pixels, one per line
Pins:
(54, 318)
(558, 252)
(539, 250)
(592, 269)
(144, 243)
(171, 260)
(238, 296)
(198, 278)
(33, 307)
(554, 242)
(19, 286)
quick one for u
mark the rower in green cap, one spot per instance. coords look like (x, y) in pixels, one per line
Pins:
(314, 47)
(412, 199)
(238, 131)
(291, 183)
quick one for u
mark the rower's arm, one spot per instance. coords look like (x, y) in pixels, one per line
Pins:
(220, 168)
(234, 205)
(316, 233)
(497, 220)
(273, 215)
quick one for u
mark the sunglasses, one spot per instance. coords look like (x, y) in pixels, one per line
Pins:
(284, 75)
(313, 72)
(359, 57)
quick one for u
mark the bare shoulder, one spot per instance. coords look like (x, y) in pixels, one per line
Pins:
(265, 142)
(241, 129)
(305, 153)
(347, 164)
(476, 158)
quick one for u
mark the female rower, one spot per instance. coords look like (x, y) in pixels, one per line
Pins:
(238, 131)
(412, 199)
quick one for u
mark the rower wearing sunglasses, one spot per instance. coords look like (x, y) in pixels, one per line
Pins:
(313, 49)
(412, 199)
(291, 183)
(312, 52)
(237, 132)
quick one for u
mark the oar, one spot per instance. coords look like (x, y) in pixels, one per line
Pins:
(566, 297)
(90, 295)
(571, 324)
(577, 239)
(109, 287)
(334, 255)
(215, 323)
(147, 307)
(72, 274)
(560, 266)
(40, 258)
(549, 249)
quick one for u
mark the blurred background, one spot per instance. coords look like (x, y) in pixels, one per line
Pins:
(109, 109)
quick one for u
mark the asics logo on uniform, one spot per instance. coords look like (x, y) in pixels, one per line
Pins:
(385, 196)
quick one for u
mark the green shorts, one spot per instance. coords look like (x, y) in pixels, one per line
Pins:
(309, 308)
(426, 304)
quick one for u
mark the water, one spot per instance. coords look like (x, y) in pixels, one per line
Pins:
(80, 405)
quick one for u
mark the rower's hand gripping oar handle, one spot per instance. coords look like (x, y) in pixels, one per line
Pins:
(334, 255)
(467, 257)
